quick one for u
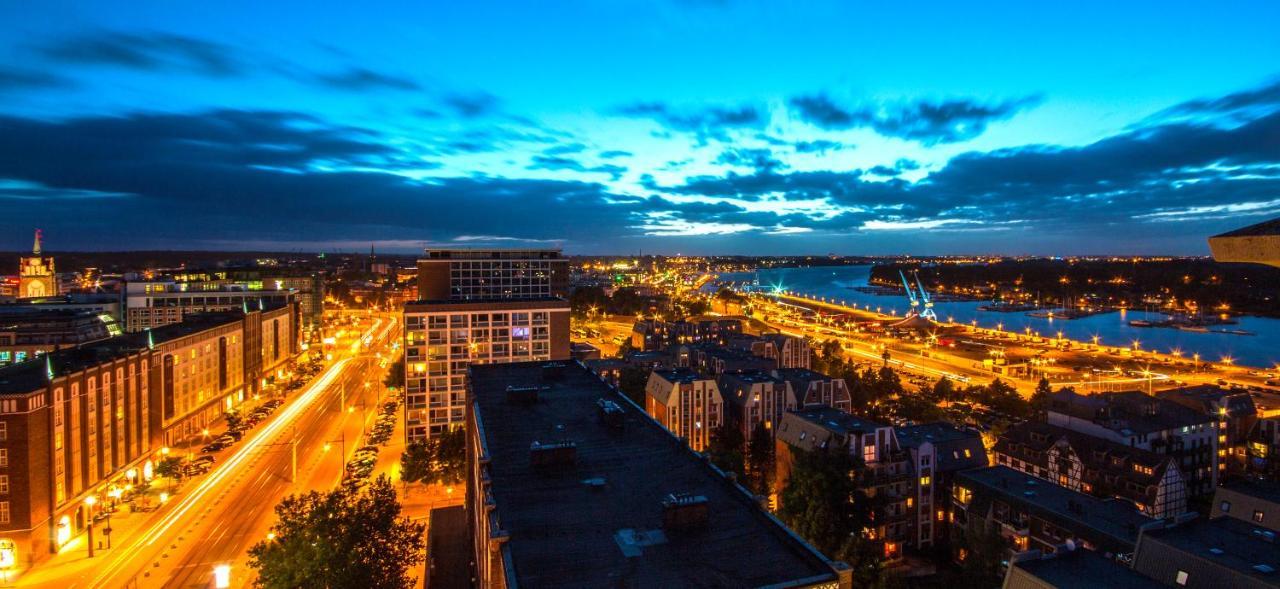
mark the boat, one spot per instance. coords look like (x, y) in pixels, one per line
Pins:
(1195, 328)
(1234, 331)
(1139, 323)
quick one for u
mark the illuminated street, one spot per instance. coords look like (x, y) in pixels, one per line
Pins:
(213, 519)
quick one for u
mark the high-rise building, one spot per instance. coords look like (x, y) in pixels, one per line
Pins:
(483, 307)
(36, 274)
(495, 274)
(161, 302)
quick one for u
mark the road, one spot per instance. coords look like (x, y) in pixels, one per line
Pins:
(218, 516)
(1066, 363)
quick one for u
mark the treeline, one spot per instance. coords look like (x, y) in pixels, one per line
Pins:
(1247, 288)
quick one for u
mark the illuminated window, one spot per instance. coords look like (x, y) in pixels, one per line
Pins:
(910, 501)
(1257, 516)
(1181, 579)
(4, 484)
(924, 481)
(963, 495)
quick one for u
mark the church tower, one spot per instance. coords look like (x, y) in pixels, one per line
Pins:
(36, 276)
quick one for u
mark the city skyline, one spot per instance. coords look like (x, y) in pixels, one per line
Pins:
(670, 127)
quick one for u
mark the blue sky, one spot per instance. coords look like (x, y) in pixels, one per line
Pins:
(695, 126)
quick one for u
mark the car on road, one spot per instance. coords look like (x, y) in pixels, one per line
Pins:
(191, 470)
(204, 459)
(214, 446)
(235, 434)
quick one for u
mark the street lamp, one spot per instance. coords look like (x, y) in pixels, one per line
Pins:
(89, 502)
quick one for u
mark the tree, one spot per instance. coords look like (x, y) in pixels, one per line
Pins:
(760, 459)
(632, 381)
(395, 374)
(340, 539)
(451, 456)
(233, 419)
(416, 462)
(725, 449)
(943, 390)
(169, 466)
(1040, 398)
(822, 501)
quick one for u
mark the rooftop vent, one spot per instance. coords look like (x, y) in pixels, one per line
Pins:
(610, 413)
(684, 511)
(594, 482)
(527, 395)
(1216, 551)
(1265, 535)
(1264, 568)
(553, 371)
(552, 455)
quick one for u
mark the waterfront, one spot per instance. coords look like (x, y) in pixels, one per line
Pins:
(1112, 329)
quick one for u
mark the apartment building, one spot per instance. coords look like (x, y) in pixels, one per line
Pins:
(686, 403)
(1094, 466)
(785, 350)
(1235, 413)
(936, 453)
(1148, 423)
(25, 334)
(754, 398)
(155, 303)
(1031, 514)
(814, 388)
(481, 307)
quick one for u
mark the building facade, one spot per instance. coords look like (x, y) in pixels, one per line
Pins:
(24, 334)
(82, 421)
(686, 403)
(481, 307)
(158, 303)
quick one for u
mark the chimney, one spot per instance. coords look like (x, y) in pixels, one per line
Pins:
(683, 511)
(557, 454)
(610, 413)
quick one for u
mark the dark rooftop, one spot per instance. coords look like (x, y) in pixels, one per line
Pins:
(1083, 569)
(1264, 228)
(566, 532)
(680, 375)
(956, 448)
(836, 421)
(1111, 523)
(1129, 412)
(28, 376)
(1265, 490)
(1226, 542)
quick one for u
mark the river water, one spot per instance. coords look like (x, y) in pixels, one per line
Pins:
(1111, 329)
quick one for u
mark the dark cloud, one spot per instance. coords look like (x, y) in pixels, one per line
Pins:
(151, 51)
(614, 153)
(220, 178)
(711, 122)
(359, 79)
(1176, 170)
(565, 149)
(557, 163)
(761, 160)
(16, 79)
(1248, 103)
(948, 121)
(472, 105)
(818, 146)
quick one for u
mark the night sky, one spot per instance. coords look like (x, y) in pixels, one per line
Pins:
(616, 126)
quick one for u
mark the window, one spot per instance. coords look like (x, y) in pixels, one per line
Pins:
(1257, 515)
(4, 457)
(924, 481)
(4, 484)
(1181, 579)
(4, 430)
(1225, 506)
(4, 512)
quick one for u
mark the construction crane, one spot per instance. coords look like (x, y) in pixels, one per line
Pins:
(928, 303)
(911, 294)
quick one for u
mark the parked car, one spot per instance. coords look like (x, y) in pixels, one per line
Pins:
(213, 446)
(204, 459)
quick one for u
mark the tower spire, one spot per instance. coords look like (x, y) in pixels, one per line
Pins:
(36, 250)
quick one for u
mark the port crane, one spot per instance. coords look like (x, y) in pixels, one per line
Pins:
(918, 296)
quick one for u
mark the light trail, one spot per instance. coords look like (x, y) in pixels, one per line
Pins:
(195, 497)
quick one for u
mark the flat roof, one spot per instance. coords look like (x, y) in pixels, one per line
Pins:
(1113, 518)
(600, 523)
(25, 377)
(1084, 569)
(680, 375)
(480, 305)
(1226, 542)
(835, 420)
(1265, 490)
